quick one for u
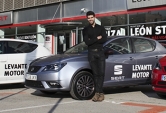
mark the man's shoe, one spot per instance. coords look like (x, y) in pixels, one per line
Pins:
(101, 97)
(96, 97)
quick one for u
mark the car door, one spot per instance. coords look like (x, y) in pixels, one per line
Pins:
(17, 62)
(3, 62)
(146, 58)
(119, 63)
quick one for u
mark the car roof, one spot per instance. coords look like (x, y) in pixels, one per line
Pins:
(114, 37)
(19, 40)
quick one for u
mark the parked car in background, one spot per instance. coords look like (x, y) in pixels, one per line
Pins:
(15, 57)
(159, 78)
(129, 62)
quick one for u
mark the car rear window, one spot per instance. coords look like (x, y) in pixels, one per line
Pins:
(20, 47)
(143, 45)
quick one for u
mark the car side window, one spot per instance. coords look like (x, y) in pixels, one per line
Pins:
(20, 47)
(121, 46)
(142, 45)
(1, 47)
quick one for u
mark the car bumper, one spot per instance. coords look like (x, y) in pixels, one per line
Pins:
(49, 81)
(159, 89)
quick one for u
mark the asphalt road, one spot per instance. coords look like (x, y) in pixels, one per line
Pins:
(15, 98)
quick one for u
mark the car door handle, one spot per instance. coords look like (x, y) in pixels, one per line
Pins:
(131, 58)
(156, 57)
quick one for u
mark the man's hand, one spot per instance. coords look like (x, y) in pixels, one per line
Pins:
(99, 37)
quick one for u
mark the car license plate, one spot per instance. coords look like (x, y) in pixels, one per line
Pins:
(163, 77)
(31, 77)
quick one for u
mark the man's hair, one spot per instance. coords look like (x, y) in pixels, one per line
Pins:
(90, 13)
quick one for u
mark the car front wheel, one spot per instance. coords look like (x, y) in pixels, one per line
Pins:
(82, 87)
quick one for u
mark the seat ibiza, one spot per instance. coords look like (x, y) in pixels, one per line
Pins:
(15, 57)
(129, 61)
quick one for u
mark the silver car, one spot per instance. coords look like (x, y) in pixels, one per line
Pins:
(129, 62)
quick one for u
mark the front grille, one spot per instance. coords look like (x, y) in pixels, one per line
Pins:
(36, 84)
(34, 69)
(162, 83)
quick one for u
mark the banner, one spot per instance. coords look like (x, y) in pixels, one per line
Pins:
(49, 42)
(131, 4)
(157, 32)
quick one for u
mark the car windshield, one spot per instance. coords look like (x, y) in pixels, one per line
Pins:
(77, 49)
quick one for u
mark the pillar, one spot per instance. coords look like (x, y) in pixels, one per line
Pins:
(2, 33)
(40, 34)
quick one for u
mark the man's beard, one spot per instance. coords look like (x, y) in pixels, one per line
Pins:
(92, 23)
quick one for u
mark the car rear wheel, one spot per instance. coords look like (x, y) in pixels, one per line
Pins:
(82, 87)
(48, 92)
(161, 95)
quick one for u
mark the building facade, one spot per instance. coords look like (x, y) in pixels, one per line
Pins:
(62, 21)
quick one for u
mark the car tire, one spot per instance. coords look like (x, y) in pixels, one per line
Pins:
(47, 92)
(161, 95)
(82, 87)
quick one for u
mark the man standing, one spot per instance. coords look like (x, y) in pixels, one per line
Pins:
(94, 36)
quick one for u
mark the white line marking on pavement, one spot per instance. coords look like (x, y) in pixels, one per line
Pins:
(113, 102)
(23, 108)
(31, 107)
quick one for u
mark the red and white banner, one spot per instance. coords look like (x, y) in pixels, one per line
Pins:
(49, 43)
(73, 35)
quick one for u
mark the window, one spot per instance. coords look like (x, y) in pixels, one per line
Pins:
(121, 46)
(137, 18)
(20, 47)
(114, 20)
(142, 45)
(150, 16)
(1, 47)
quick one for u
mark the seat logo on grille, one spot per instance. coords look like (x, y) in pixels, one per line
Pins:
(32, 69)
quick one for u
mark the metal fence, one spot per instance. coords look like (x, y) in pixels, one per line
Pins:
(8, 5)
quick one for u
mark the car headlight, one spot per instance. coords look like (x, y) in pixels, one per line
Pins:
(157, 66)
(54, 67)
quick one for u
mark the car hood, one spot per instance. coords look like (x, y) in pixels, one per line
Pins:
(55, 59)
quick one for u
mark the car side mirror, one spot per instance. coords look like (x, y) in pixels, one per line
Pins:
(108, 52)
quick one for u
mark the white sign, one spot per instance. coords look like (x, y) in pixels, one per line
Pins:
(118, 78)
(27, 37)
(118, 70)
(131, 4)
(6, 18)
(117, 32)
(48, 42)
(141, 30)
(141, 71)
